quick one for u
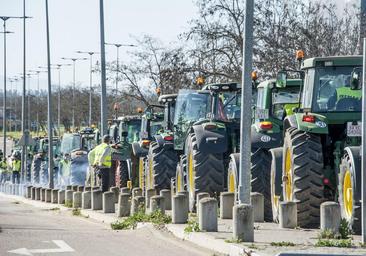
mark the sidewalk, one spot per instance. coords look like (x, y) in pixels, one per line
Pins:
(221, 241)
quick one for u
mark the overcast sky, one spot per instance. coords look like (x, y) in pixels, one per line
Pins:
(74, 25)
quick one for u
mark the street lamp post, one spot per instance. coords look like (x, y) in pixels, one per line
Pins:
(117, 61)
(73, 87)
(90, 84)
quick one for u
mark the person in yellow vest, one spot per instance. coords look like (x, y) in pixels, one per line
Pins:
(15, 167)
(103, 162)
(3, 168)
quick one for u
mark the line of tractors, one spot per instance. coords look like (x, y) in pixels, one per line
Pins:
(305, 141)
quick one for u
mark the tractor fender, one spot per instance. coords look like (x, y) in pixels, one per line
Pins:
(138, 151)
(210, 141)
(319, 126)
(289, 121)
(265, 140)
(354, 154)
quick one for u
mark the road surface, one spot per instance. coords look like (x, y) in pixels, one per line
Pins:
(32, 231)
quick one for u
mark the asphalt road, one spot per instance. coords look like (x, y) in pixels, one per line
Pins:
(51, 232)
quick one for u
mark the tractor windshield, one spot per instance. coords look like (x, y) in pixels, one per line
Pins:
(133, 131)
(283, 103)
(332, 91)
(70, 142)
(228, 106)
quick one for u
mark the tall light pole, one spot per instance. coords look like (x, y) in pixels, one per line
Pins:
(103, 98)
(117, 61)
(90, 84)
(73, 86)
(362, 23)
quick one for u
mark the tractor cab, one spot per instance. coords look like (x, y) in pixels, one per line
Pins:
(168, 101)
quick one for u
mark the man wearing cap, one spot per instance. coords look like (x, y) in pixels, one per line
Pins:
(103, 162)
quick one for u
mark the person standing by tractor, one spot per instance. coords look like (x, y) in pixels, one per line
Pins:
(90, 178)
(15, 167)
(3, 168)
(103, 162)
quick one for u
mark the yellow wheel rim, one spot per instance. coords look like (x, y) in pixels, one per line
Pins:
(348, 194)
(191, 173)
(288, 173)
(275, 198)
(151, 178)
(141, 173)
(179, 183)
(231, 182)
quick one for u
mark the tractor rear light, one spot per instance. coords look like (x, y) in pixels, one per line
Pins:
(308, 118)
(326, 181)
(266, 125)
(145, 143)
(168, 138)
(210, 126)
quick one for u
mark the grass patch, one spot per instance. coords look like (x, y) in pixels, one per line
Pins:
(192, 226)
(282, 244)
(253, 246)
(16, 202)
(334, 243)
(233, 241)
(76, 212)
(54, 209)
(157, 218)
(68, 204)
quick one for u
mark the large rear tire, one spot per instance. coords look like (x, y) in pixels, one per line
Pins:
(261, 178)
(36, 170)
(302, 172)
(276, 182)
(205, 172)
(350, 206)
(161, 165)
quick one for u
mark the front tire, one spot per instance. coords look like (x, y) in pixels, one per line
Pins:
(302, 175)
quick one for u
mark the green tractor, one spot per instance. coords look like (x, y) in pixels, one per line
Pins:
(274, 102)
(151, 124)
(162, 159)
(74, 151)
(317, 135)
(206, 132)
(124, 131)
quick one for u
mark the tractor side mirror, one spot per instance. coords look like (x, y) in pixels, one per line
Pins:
(281, 79)
(356, 79)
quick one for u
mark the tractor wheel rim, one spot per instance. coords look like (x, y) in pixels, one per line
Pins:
(141, 176)
(275, 198)
(179, 183)
(288, 173)
(348, 194)
(151, 179)
(191, 173)
(231, 182)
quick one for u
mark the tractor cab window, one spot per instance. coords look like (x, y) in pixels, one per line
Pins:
(133, 131)
(69, 143)
(333, 92)
(228, 106)
(283, 103)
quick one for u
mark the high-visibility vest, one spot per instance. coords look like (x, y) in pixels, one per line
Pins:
(16, 166)
(99, 152)
(91, 156)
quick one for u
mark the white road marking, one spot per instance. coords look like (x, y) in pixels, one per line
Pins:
(62, 247)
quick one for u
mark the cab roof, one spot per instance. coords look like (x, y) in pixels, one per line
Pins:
(167, 97)
(272, 83)
(233, 86)
(355, 60)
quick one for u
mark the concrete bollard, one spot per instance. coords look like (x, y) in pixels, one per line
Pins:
(186, 194)
(200, 196)
(87, 189)
(227, 201)
(288, 215)
(68, 187)
(207, 217)
(76, 199)
(157, 203)
(330, 216)
(96, 200)
(43, 194)
(108, 202)
(179, 209)
(48, 195)
(243, 223)
(29, 191)
(33, 193)
(125, 190)
(74, 188)
(167, 198)
(124, 205)
(257, 201)
(68, 197)
(54, 196)
(115, 191)
(61, 197)
(149, 193)
(136, 192)
(80, 189)
(86, 200)
(137, 204)
(95, 188)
